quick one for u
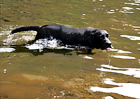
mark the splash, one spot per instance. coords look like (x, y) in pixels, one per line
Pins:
(53, 43)
(50, 43)
(43, 43)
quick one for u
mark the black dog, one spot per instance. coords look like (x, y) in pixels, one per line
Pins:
(89, 37)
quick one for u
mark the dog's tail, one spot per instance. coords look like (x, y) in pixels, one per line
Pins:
(25, 28)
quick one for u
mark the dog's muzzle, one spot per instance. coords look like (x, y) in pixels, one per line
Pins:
(108, 44)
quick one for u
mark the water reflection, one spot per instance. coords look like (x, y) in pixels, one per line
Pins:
(35, 77)
(7, 49)
(87, 57)
(108, 97)
(131, 37)
(120, 51)
(122, 57)
(126, 89)
(135, 4)
(4, 71)
(126, 71)
(137, 1)
(126, 10)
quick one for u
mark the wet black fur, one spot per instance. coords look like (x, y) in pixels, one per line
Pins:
(90, 37)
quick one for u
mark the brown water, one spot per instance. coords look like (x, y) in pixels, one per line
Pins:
(57, 73)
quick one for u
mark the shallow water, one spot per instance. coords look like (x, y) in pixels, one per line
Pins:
(34, 72)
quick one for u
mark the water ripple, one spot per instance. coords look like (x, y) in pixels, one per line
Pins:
(120, 51)
(126, 71)
(123, 57)
(131, 37)
(126, 89)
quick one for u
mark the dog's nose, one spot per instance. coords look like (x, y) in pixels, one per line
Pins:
(109, 44)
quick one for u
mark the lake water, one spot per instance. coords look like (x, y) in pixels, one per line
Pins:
(34, 72)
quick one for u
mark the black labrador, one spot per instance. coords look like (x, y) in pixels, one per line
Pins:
(89, 37)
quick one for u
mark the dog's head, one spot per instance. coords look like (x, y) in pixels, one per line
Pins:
(100, 39)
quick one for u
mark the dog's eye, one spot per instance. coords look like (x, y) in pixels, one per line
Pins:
(107, 35)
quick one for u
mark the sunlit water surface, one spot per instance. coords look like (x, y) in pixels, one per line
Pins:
(45, 70)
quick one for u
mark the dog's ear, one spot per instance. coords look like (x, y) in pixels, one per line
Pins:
(91, 30)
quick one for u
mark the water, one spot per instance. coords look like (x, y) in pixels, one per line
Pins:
(45, 70)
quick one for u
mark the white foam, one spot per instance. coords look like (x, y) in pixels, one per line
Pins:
(8, 40)
(43, 43)
(27, 38)
(52, 43)
(126, 71)
(125, 89)
(4, 33)
(7, 49)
